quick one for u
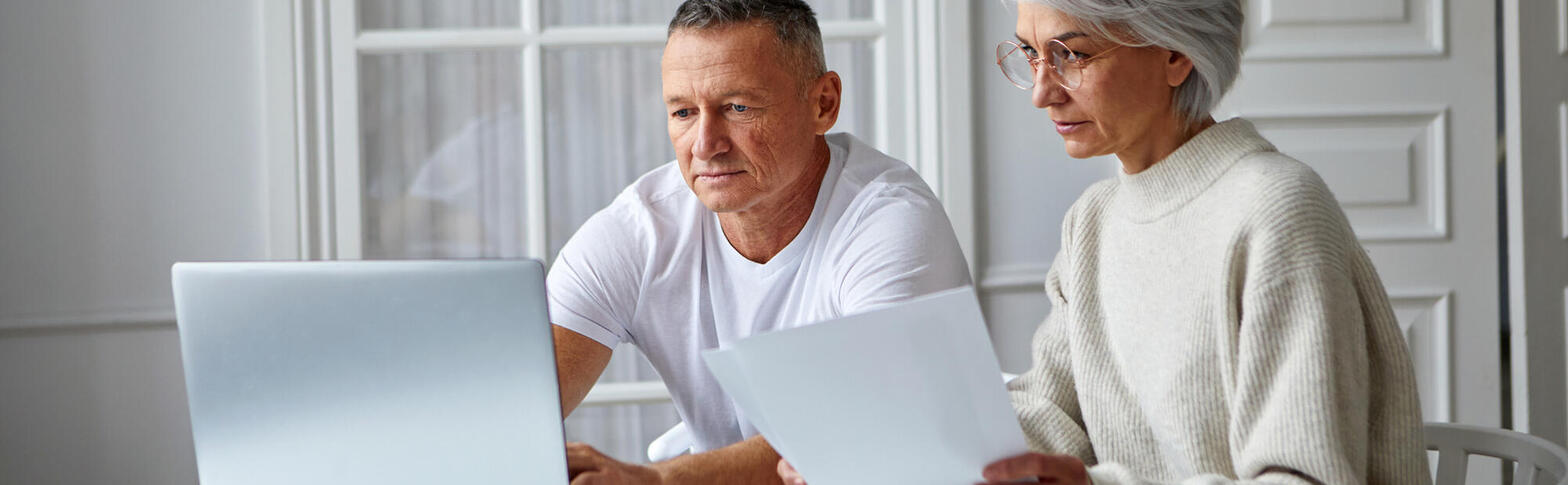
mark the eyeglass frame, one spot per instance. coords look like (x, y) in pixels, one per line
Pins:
(1082, 64)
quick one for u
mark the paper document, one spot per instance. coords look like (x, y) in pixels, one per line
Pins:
(909, 393)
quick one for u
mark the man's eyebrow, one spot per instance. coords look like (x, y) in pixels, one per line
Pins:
(733, 93)
(741, 93)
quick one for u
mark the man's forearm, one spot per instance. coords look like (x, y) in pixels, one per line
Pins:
(749, 461)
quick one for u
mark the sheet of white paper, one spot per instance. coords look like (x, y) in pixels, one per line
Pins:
(907, 393)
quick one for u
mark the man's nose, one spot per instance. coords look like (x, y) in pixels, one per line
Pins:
(712, 138)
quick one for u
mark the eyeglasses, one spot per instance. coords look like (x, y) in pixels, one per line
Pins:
(1020, 64)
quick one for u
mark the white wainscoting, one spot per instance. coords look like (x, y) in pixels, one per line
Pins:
(1331, 29)
(1424, 317)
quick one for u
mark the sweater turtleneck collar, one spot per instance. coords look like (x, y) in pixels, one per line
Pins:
(1178, 178)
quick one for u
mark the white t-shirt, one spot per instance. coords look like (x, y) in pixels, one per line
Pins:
(654, 269)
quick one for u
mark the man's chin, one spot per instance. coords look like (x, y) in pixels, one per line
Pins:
(724, 203)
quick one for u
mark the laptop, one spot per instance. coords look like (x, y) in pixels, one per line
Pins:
(363, 372)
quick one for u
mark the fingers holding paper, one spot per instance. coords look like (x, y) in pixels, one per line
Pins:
(1062, 469)
(788, 474)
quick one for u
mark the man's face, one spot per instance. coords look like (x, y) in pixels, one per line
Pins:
(742, 128)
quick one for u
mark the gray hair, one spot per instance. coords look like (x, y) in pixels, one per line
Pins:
(1206, 31)
(793, 23)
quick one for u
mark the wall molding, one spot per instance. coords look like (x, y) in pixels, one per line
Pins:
(1562, 27)
(1440, 302)
(621, 393)
(111, 318)
(1417, 35)
(1014, 278)
(1562, 159)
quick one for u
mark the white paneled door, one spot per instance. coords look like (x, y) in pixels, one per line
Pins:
(1394, 103)
(1535, 85)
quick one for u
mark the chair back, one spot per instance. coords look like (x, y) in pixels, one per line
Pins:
(1455, 443)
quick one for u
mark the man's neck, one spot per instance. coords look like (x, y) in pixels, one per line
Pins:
(759, 233)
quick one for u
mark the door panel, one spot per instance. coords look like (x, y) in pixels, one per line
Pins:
(1536, 110)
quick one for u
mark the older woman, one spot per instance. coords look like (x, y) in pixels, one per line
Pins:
(1214, 318)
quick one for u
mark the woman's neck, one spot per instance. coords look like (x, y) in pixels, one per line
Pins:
(1159, 143)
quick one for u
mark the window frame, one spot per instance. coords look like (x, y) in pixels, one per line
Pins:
(922, 115)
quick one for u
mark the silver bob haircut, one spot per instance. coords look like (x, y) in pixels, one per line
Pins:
(1206, 31)
(793, 22)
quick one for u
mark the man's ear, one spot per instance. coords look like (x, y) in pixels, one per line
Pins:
(826, 95)
(1177, 68)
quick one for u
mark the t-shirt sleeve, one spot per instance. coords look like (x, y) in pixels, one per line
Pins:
(901, 246)
(594, 283)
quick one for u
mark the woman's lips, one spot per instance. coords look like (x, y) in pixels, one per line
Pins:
(1066, 127)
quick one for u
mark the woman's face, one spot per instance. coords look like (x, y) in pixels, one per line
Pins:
(1124, 96)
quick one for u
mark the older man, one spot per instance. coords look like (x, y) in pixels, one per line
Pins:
(763, 222)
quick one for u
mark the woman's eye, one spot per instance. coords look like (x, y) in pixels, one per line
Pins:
(1030, 52)
(739, 108)
(682, 113)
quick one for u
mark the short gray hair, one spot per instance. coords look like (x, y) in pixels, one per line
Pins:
(793, 22)
(1206, 31)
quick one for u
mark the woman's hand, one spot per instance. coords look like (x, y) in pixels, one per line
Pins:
(789, 475)
(1063, 469)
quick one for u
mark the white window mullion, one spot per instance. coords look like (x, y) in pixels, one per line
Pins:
(916, 62)
(405, 40)
(399, 41)
(537, 199)
(953, 117)
(882, 104)
(344, 177)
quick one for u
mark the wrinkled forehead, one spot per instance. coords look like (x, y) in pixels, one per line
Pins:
(1040, 23)
(721, 60)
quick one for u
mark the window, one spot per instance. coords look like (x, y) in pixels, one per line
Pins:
(494, 128)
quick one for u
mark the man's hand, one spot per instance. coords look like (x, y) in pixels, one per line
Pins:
(1062, 469)
(588, 466)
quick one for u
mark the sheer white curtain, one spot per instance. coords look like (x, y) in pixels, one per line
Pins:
(443, 139)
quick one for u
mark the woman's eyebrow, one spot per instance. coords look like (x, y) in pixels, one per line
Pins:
(1070, 35)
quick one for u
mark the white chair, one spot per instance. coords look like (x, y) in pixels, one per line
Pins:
(1455, 443)
(675, 442)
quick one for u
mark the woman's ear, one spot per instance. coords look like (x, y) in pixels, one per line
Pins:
(1177, 68)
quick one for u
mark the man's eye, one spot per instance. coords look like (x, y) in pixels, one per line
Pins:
(682, 113)
(739, 108)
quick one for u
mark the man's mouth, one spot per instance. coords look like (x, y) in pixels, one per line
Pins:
(717, 175)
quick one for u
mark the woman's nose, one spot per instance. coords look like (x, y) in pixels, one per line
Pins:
(1046, 92)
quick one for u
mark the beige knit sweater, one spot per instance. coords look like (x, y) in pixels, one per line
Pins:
(1215, 320)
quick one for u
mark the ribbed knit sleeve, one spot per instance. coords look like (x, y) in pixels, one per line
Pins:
(1045, 396)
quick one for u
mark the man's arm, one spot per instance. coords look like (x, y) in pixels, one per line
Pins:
(578, 362)
(749, 461)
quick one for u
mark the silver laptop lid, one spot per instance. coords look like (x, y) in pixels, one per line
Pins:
(370, 372)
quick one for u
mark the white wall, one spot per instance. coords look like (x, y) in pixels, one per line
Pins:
(130, 138)
(1025, 183)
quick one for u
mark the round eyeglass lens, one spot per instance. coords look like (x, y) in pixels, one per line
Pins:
(1015, 65)
(1066, 65)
